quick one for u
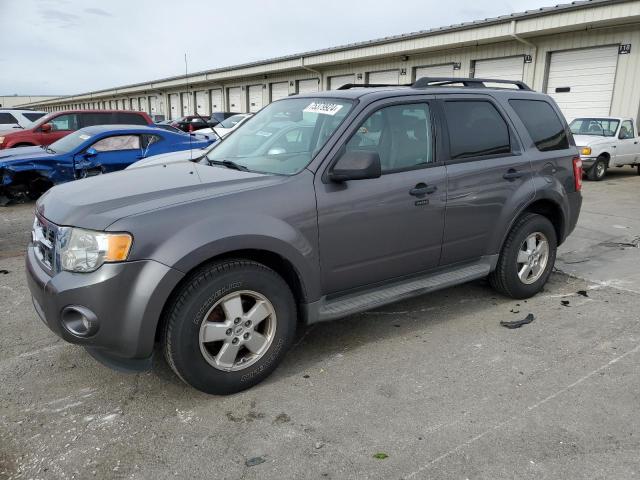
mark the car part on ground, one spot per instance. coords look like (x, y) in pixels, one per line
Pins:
(281, 223)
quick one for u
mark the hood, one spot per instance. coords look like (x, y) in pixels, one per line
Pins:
(171, 157)
(591, 140)
(97, 202)
(22, 154)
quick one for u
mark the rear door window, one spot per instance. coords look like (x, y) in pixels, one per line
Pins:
(7, 119)
(476, 128)
(34, 116)
(96, 118)
(542, 123)
(128, 118)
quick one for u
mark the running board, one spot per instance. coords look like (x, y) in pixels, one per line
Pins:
(331, 309)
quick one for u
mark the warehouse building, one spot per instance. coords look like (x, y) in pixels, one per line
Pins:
(586, 55)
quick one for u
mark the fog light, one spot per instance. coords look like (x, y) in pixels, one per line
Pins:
(79, 321)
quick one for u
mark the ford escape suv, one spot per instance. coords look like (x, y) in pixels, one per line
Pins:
(319, 206)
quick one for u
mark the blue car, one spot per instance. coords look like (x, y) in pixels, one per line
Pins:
(90, 151)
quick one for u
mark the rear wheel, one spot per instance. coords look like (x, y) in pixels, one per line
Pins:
(229, 326)
(527, 257)
(599, 169)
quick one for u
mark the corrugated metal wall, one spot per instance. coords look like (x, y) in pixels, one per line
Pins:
(625, 102)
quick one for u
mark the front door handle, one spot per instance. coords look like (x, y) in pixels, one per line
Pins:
(512, 174)
(422, 189)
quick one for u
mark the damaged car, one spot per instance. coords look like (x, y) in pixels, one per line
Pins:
(30, 171)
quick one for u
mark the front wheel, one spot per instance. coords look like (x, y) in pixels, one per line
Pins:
(599, 170)
(229, 326)
(527, 257)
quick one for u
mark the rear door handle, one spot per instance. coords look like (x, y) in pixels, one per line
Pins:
(512, 174)
(422, 189)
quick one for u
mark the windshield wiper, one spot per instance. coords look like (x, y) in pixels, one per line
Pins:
(228, 164)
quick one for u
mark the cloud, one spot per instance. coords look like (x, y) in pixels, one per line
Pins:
(98, 11)
(63, 19)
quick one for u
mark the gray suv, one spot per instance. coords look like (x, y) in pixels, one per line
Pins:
(319, 206)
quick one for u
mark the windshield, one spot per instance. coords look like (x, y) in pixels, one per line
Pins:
(602, 127)
(284, 136)
(70, 142)
(232, 121)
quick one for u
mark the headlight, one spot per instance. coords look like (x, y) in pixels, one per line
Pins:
(86, 250)
(585, 151)
(1, 140)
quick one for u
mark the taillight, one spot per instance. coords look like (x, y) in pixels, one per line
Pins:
(577, 173)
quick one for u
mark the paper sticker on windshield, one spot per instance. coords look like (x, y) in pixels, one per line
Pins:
(323, 108)
(84, 136)
(262, 133)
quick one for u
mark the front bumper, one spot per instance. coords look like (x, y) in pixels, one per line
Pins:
(126, 298)
(587, 162)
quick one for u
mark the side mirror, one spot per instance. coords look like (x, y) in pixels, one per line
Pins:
(46, 128)
(91, 152)
(356, 165)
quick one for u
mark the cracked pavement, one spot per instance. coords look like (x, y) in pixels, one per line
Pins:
(435, 383)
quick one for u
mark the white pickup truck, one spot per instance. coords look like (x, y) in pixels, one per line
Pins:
(606, 142)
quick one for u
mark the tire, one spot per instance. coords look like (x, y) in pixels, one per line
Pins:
(638, 170)
(506, 277)
(599, 170)
(204, 364)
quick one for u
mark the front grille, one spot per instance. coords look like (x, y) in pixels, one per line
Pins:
(44, 241)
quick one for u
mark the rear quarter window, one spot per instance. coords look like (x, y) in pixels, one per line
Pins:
(542, 123)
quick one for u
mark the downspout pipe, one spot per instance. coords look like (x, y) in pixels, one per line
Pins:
(534, 47)
(312, 71)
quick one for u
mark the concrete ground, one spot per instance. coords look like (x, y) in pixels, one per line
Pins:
(435, 385)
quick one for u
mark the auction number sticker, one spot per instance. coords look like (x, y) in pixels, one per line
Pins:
(323, 108)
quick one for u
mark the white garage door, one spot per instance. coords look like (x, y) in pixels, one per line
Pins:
(143, 104)
(279, 90)
(153, 105)
(510, 68)
(308, 86)
(216, 100)
(134, 104)
(581, 81)
(435, 71)
(388, 77)
(201, 103)
(338, 81)
(235, 100)
(187, 104)
(174, 106)
(255, 98)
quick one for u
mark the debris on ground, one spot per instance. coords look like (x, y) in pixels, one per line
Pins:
(4, 272)
(318, 445)
(565, 303)
(380, 455)
(518, 323)
(252, 462)
(583, 293)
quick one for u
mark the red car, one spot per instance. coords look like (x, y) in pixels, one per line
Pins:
(56, 125)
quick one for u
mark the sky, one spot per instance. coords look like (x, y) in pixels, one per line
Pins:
(62, 47)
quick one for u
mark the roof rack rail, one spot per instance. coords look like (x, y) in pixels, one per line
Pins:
(466, 82)
(347, 86)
